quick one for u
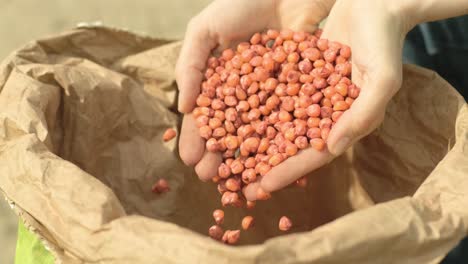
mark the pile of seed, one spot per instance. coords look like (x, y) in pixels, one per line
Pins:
(271, 97)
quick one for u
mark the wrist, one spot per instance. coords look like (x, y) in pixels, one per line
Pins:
(401, 10)
(420, 11)
(408, 11)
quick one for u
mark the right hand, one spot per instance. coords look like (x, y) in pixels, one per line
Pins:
(223, 24)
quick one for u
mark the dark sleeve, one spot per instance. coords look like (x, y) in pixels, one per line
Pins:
(443, 47)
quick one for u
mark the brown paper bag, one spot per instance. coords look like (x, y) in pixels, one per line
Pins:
(81, 120)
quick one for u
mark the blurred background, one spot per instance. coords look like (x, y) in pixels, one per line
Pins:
(24, 20)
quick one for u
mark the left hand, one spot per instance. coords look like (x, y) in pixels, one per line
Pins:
(375, 31)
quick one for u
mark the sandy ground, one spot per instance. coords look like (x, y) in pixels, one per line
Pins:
(25, 20)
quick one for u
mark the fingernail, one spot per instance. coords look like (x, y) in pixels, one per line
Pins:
(341, 146)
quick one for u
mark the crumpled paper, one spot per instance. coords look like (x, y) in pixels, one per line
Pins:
(81, 120)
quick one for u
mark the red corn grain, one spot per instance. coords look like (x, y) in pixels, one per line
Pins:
(317, 143)
(169, 134)
(284, 223)
(218, 216)
(247, 222)
(216, 232)
(161, 186)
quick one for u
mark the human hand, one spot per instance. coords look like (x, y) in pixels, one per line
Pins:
(223, 24)
(375, 32)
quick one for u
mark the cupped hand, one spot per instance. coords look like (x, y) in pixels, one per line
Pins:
(223, 24)
(375, 31)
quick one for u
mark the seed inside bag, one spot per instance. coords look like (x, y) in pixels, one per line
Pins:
(266, 101)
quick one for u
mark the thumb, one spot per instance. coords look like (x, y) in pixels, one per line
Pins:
(365, 114)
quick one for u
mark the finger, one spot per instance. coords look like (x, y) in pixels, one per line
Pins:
(207, 168)
(294, 168)
(250, 191)
(365, 115)
(191, 145)
(196, 48)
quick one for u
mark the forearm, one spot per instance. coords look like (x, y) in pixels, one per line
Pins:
(419, 11)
